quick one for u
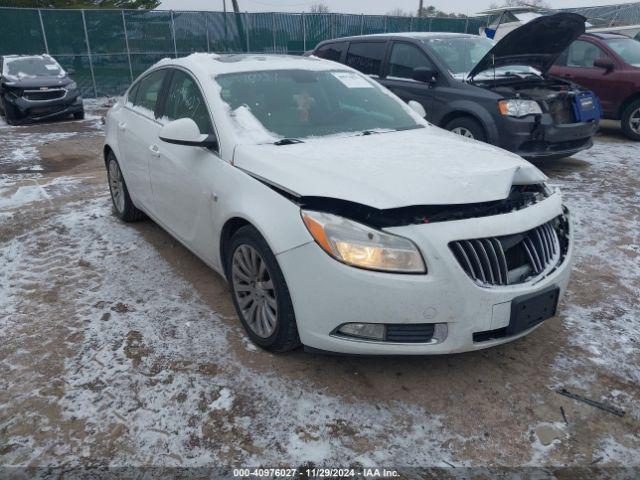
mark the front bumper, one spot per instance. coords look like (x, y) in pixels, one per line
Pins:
(327, 294)
(26, 111)
(541, 138)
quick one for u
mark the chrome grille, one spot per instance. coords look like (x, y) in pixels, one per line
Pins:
(43, 95)
(511, 259)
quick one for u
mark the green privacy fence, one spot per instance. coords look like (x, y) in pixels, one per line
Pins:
(109, 48)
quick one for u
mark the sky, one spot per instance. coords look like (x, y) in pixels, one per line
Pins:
(371, 7)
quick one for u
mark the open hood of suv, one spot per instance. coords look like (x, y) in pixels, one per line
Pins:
(536, 44)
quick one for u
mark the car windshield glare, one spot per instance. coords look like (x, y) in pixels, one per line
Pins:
(627, 48)
(29, 67)
(460, 54)
(303, 103)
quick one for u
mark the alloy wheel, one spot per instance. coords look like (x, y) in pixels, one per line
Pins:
(634, 121)
(254, 291)
(465, 132)
(116, 186)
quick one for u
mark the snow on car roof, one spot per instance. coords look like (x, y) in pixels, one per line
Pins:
(17, 57)
(214, 64)
(416, 35)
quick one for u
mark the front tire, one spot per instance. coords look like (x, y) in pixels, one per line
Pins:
(631, 121)
(122, 204)
(79, 115)
(467, 127)
(260, 293)
(9, 112)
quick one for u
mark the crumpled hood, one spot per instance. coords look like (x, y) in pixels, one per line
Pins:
(536, 44)
(427, 166)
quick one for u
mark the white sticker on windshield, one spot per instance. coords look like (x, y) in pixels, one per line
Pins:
(51, 67)
(351, 80)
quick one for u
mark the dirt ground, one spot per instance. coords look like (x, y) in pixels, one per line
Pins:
(119, 347)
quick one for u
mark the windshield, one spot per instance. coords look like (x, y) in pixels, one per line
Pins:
(31, 67)
(627, 48)
(302, 103)
(460, 54)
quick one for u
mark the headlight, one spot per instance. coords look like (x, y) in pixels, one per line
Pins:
(360, 246)
(519, 108)
(72, 86)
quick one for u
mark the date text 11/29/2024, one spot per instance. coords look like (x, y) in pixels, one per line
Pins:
(315, 473)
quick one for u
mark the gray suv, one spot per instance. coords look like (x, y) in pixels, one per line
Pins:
(500, 94)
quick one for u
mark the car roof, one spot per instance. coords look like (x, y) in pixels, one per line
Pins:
(411, 35)
(214, 64)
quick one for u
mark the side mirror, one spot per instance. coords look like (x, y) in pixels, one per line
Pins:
(604, 63)
(418, 108)
(184, 131)
(71, 71)
(423, 74)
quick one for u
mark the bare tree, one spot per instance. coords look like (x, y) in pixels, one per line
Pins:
(319, 7)
(524, 3)
(398, 12)
(431, 11)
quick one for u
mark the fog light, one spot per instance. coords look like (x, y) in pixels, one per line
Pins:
(373, 331)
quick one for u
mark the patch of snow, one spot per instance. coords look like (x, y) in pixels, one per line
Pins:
(542, 447)
(604, 240)
(12, 198)
(223, 402)
(163, 368)
(616, 453)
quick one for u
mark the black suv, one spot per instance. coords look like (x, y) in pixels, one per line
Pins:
(36, 87)
(498, 94)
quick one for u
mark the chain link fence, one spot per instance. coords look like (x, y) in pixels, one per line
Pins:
(109, 48)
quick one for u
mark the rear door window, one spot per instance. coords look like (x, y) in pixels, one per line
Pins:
(186, 101)
(332, 51)
(404, 58)
(148, 92)
(366, 56)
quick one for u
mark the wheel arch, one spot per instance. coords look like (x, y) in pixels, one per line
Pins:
(628, 101)
(479, 115)
(106, 150)
(230, 227)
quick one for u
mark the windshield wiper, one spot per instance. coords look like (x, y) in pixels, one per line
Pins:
(388, 130)
(287, 141)
(377, 130)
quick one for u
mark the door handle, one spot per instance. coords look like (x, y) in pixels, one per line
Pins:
(122, 126)
(155, 151)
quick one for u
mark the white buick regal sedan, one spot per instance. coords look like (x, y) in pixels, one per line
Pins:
(340, 218)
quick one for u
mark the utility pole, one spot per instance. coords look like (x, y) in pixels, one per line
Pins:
(226, 37)
(420, 6)
(236, 10)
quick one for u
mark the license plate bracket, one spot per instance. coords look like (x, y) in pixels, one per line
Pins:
(530, 310)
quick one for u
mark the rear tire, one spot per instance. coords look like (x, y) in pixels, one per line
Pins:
(631, 121)
(79, 115)
(122, 204)
(260, 293)
(467, 127)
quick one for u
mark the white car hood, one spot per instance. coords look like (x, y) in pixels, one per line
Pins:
(426, 166)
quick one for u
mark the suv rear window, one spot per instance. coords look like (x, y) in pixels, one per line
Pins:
(366, 56)
(332, 51)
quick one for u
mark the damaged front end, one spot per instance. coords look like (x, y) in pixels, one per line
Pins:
(564, 122)
(520, 197)
(540, 116)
